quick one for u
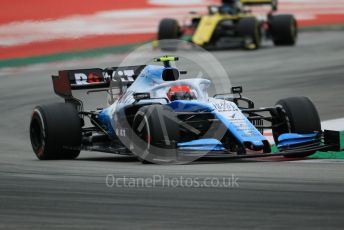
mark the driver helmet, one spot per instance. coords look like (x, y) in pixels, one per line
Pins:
(180, 92)
(230, 6)
(229, 2)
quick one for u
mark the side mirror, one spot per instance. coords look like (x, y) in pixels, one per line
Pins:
(237, 90)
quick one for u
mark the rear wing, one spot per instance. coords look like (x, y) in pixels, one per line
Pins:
(69, 80)
(273, 3)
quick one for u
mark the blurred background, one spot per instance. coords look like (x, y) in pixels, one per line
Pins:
(60, 29)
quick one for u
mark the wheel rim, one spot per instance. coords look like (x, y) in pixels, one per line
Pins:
(287, 120)
(37, 136)
(257, 36)
(293, 30)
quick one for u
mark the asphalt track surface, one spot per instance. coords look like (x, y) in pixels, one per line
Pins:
(268, 195)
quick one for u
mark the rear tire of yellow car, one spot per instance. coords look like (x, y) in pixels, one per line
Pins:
(283, 29)
(168, 29)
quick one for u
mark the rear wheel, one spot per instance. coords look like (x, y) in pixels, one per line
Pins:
(55, 131)
(156, 133)
(249, 29)
(168, 29)
(300, 116)
(283, 29)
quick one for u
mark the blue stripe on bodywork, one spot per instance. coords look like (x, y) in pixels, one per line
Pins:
(296, 136)
(208, 144)
(105, 118)
(288, 139)
(287, 143)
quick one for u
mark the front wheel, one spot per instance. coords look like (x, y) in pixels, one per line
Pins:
(55, 131)
(300, 116)
(155, 134)
(249, 29)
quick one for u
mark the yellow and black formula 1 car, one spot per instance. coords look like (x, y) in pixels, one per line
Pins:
(233, 25)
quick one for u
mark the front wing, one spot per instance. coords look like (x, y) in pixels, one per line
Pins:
(330, 141)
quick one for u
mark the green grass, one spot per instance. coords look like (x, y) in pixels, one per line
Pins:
(321, 155)
(328, 155)
(332, 155)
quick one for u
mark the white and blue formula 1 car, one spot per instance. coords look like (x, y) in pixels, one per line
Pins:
(160, 118)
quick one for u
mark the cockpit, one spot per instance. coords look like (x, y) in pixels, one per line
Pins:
(181, 92)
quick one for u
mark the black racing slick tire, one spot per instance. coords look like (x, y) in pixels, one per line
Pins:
(283, 29)
(249, 28)
(300, 116)
(168, 29)
(55, 131)
(156, 132)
